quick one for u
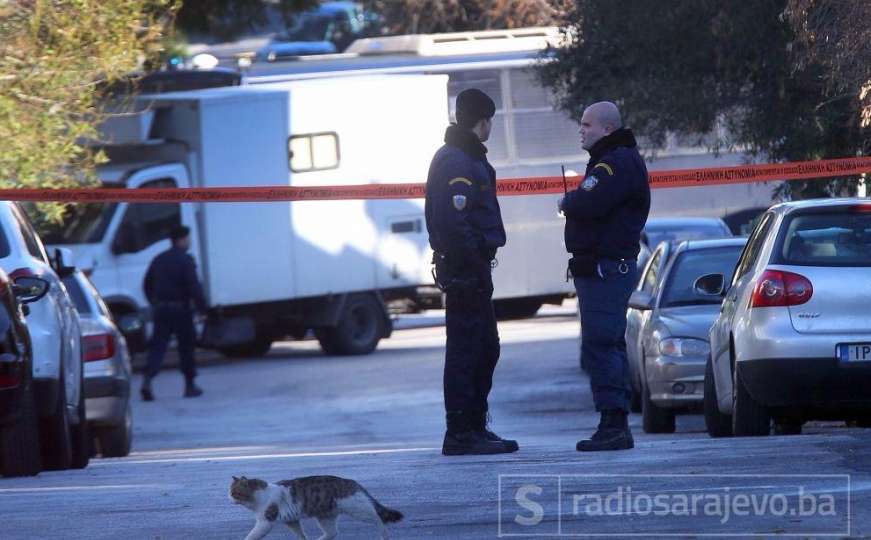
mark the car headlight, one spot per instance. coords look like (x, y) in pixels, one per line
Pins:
(680, 347)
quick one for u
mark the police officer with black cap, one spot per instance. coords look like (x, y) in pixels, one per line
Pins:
(465, 230)
(604, 220)
(174, 291)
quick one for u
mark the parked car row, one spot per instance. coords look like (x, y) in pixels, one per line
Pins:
(770, 331)
(44, 421)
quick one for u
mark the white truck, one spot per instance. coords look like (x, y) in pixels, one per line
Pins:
(271, 269)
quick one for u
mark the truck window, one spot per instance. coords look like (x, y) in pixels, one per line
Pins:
(313, 152)
(539, 130)
(146, 224)
(489, 82)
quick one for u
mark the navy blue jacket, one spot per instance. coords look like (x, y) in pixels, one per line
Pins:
(605, 215)
(462, 214)
(172, 278)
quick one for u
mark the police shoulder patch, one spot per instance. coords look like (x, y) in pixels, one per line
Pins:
(589, 183)
(459, 201)
(606, 167)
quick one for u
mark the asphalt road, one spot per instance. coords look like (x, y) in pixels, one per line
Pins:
(379, 420)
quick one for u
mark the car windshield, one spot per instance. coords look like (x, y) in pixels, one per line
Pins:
(679, 233)
(690, 266)
(81, 224)
(841, 238)
(308, 27)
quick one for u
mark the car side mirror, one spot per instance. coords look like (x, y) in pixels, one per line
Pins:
(61, 257)
(641, 300)
(29, 289)
(710, 285)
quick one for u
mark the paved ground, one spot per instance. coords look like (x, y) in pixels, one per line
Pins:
(378, 419)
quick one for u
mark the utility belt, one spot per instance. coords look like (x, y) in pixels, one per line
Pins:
(450, 272)
(588, 266)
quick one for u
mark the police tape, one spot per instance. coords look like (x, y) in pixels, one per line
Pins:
(711, 176)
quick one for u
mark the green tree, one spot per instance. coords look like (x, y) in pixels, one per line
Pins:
(692, 66)
(434, 16)
(54, 54)
(227, 19)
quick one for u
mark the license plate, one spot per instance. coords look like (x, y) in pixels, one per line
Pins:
(855, 352)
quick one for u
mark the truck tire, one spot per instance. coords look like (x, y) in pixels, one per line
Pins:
(55, 434)
(655, 419)
(19, 440)
(80, 435)
(258, 347)
(749, 417)
(115, 441)
(516, 308)
(360, 328)
(717, 423)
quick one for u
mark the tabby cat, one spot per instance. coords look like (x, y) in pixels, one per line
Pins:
(322, 498)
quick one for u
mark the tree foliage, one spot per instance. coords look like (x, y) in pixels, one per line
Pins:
(53, 56)
(227, 19)
(696, 66)
(434, 16)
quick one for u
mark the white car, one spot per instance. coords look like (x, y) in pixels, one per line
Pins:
(57, 353)
(793, 338)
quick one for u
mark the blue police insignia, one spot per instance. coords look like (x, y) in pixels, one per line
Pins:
(459, 201)
(589, 183)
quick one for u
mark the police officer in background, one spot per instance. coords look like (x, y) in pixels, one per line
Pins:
(604, 219)
(465, 229)
(173, 290)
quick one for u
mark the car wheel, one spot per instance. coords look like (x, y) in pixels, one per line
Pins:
(115, 441)
(258, 347)
(81, 438)
(655, 419)
(749, 418)
(359, 330)
(717, 423)
(55, 435)
(19, 440)
(516, 308)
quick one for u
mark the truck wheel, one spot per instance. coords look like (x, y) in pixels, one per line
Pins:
(258, 347)
(19, 440)
(360, 328)
(55, 435)
(749, 418)
(516, 308)
(655, 419)
(115, 441)
(81, 438)
(717, 423)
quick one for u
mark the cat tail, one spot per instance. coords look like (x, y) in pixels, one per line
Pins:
(387, 515)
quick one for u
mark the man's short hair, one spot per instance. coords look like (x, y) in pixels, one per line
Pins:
(473, 105)
(178, 232)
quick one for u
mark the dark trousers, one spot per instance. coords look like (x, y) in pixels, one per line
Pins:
(603, 300)
(169, 320)
(472, 349)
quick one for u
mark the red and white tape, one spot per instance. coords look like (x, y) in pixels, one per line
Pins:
(712, 176)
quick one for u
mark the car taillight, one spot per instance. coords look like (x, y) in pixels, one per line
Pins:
(98, 347)
(861, 209)
(22, 272)
(777, 288)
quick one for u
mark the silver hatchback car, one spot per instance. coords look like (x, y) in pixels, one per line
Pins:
(667, 327)
(107, 370)
(793, 338)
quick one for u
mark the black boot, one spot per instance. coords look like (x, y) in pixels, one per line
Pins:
(191, 390)
(145, 390)
(479, 423)
(462, 439)
(612, 434)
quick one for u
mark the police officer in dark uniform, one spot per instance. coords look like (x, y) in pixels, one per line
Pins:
(465, 229)
(604, 219)
(174, 291)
